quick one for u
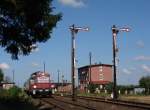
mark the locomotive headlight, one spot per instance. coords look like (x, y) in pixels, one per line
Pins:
(34, 86)
(52, 86)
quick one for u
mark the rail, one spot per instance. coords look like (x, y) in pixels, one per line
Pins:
(117, 102)
(64, 104)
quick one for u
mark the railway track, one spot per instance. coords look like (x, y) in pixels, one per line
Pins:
(65, 104)
(118, 102)
(92, 103)
(123, 103)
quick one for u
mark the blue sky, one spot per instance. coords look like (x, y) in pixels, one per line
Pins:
(99, 16)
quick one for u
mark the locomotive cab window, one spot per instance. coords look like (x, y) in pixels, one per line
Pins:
(31, 81)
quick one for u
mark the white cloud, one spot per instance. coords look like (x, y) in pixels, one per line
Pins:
(35, 50)
(140, 44)
(146, 68)
(126, 71)
(4, 66)
(142, 58)
(73, 3)
(34, 64)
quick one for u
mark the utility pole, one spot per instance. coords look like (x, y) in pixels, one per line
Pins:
(62, 82)
(115, 31)
(13, 76)
(62, 79)
(90, 60)
(44, 66)
(73, 62)
(58, 75)
(74, 30)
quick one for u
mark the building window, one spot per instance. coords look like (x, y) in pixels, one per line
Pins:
(100, 68)
(101, 76)
(83, 72)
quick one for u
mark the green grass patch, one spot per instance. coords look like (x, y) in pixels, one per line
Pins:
(102, 94)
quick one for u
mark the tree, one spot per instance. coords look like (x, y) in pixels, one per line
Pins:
(1, 75)
(145, 83)
(109, 87)
(92, 87)
(124, 88)
(24, 23)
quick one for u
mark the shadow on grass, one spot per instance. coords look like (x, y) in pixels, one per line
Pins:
(15, 104)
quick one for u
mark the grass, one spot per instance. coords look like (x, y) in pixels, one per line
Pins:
(102, 94)
(136, 98)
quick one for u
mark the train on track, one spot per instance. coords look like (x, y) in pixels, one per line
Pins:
(39, 84)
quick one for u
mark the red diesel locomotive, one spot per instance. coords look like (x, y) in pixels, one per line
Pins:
(39, 84)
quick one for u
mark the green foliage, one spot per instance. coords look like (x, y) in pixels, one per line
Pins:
(10, 93)
(1, 75)
(145, 83)
(15, 99)
(123, 88)
(13, 93)
(24, 23)
(109, 87)
(92, 87)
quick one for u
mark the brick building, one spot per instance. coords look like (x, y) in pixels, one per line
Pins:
(101, 74)
(63, 87)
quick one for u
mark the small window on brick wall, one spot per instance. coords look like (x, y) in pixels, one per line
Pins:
(100, 68)
(101, 76)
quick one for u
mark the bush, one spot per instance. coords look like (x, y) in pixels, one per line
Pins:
(14, 99)
(14, 93)
(92, 87)
(4, 93)
(109, 87)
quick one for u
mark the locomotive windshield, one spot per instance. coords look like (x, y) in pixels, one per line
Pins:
(43, 79)
(32, 81)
